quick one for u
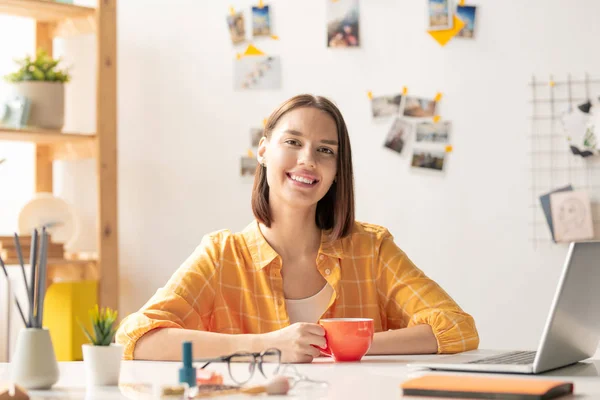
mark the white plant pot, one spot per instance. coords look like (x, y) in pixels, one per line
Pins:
(34, 364)
(47, 102)
(102, 364)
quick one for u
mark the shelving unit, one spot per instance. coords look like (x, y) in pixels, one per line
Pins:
(63, 20)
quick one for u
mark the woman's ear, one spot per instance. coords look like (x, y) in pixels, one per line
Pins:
(262, 148)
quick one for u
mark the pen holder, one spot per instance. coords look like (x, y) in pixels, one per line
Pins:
(34, 365)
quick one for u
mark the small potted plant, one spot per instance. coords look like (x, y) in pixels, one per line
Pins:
(41, 82)
(102, 357)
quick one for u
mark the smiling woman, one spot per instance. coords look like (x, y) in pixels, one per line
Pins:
(304, 258)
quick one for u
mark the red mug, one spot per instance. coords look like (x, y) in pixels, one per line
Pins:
(348, 339)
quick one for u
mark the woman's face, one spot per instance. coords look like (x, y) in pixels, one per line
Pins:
(300, 157)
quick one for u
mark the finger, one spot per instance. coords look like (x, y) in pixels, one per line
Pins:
(315, 329)
(315, 340)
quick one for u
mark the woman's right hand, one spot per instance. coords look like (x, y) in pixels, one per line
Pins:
(297, 342)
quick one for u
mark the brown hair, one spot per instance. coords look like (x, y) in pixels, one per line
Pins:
(335, 210)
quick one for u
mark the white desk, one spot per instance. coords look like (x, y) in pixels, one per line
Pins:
(375, 377)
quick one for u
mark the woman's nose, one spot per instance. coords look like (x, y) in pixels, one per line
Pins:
(306, 158)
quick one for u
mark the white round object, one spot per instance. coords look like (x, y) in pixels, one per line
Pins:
(56, 214)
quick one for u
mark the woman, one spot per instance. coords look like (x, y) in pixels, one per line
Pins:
(303, 258)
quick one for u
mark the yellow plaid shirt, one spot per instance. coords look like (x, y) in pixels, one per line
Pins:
(232, 283)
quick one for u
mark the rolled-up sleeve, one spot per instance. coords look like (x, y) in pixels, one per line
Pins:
(410, 298)
(186, 301)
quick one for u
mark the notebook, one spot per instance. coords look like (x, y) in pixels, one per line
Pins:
(478, 387)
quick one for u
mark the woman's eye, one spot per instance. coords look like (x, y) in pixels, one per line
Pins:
(326, 150)
(292, 142)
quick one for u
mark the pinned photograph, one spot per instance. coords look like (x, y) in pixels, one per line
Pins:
(418, 107)
(261, 21)
(342, 23)
(428, 159)
(398, 134)
(440, 15)
(248, 166)
(255, 135)
(257, 72)
(571, 216)
(467, 15)
(430, 132)
(384, 106)
(237, 27)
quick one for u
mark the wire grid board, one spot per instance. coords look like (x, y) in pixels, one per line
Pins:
(552, 163)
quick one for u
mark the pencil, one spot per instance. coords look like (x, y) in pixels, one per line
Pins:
(41, 292)
(16, 300)
(32, 262)
(22, 263)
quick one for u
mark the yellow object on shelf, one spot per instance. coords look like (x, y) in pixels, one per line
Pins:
(65, 302)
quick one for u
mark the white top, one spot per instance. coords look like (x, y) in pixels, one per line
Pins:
(311, 308)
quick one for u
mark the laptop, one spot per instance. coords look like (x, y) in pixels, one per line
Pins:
(572, 330)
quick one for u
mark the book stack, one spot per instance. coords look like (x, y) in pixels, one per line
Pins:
(8, 248)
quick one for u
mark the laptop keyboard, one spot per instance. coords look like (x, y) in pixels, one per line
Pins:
(513, 358)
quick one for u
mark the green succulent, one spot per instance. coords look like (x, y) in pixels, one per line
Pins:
(42, 68)
(103, 322)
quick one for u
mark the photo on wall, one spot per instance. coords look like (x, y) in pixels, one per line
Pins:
(248, 166)
(255, 135)
(384, 106)
(440, 15)
(428, 159)
(237, 27)
(419, 107)
(257, 73)
(261, 21)
(398, 135)
(467, 15)
(342, 23)
(431, 132)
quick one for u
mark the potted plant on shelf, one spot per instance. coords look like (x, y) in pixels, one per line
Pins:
(41, 82)
(102, 357)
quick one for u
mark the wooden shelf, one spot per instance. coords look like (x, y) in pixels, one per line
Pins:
(45, 10)
(60, 270)
(67, 19)
(64, 146)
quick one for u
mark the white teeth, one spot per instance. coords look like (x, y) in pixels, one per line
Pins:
(301, 179)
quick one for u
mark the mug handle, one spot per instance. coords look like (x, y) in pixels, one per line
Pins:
(326, 351)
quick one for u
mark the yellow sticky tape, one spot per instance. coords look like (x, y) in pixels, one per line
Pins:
(250, 153)
(461, 3)
(438, 96)
(436, 119)
(404, 90)
(370, 95)
(551, 83)
(238, 56)
(275, 37)
(265, 122)
(261, 4)
(449, 149)
(231, 10)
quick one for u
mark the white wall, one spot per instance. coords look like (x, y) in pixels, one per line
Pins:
(182, 129)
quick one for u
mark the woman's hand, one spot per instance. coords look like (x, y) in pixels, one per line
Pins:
(297, 342)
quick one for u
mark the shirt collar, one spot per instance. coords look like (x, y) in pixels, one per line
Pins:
(263, 254)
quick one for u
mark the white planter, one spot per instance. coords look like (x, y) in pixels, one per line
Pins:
(34, 364)
(102, 364)
(47, 102)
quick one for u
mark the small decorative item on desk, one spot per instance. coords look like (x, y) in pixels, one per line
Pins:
(34, 365)
(102, 357)
(12, 392)
(42, 83)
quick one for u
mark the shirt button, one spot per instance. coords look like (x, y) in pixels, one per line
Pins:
(321, 257)
(280, 302)
(327, 271)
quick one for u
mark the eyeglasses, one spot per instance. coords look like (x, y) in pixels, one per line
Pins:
(269, 362)
(302, 384)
